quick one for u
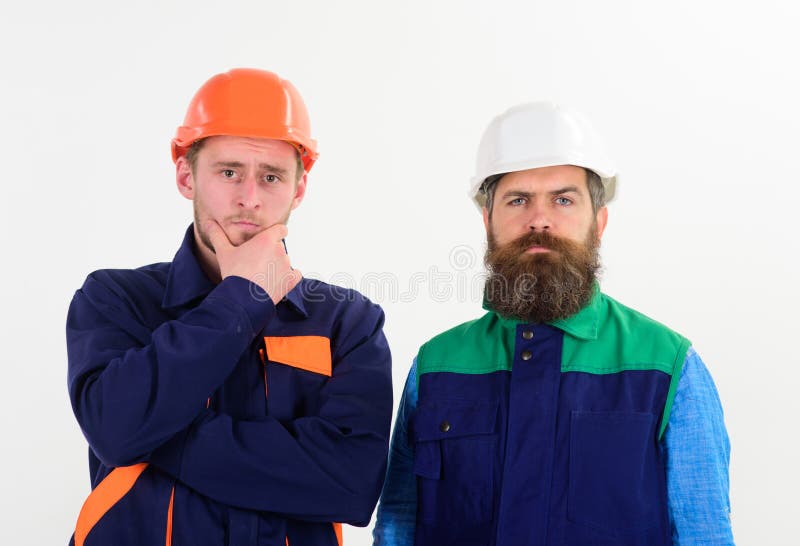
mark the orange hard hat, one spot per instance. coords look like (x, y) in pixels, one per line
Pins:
(250, 103)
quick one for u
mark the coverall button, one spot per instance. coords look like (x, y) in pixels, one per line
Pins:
(527, 334)
(526, 355)
(445, 426)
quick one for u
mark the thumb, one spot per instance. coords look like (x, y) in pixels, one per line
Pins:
(217, 236)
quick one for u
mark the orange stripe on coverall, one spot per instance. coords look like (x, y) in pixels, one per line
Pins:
(169, 517)
(107, 493)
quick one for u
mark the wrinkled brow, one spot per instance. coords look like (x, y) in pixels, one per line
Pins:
(267, 167)
(528, 195)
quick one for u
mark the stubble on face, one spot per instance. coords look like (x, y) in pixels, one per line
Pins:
(200, 219)
(541, 287)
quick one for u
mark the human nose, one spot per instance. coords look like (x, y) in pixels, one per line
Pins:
(248, 197)
(538, 217)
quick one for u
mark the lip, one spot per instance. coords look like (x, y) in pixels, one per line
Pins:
(246, 226)
(537, 250)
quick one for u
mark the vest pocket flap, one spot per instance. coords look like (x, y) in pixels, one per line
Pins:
(428, 460)
(454, 419)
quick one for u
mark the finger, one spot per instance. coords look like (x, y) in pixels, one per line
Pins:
(217, 236)
(273, 235)
(277, 231)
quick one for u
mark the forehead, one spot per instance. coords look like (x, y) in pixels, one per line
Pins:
(544, 179)
(222, 146)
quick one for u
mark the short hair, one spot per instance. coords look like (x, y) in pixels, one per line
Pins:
(597, 192)
(197, 145)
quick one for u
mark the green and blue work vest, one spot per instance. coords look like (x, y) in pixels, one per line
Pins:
(546, 434)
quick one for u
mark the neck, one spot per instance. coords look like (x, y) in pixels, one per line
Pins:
(207, 259)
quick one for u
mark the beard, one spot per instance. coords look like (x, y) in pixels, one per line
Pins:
(542, 287)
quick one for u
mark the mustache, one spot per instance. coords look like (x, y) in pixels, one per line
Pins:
(242, 218)
(543, 239)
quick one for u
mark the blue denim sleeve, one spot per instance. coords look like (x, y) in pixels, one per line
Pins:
(697, 455)
(397, 511)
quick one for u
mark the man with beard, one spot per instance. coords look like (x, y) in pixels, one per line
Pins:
(225, 398)
(560, 417)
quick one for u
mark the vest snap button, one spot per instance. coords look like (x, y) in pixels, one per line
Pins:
(445, 426)
(526, 355)
(527, 334)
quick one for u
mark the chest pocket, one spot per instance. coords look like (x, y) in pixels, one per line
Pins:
(454, 460)
(304, 367)
(613, 470)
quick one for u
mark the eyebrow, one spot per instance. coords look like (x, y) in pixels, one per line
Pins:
(566, 189)
(262, 166)
(527, 195)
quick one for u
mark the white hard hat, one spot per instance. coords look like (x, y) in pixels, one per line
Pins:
(540, 134)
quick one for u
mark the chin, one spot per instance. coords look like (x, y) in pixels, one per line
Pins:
(238, 239)
(243, 237)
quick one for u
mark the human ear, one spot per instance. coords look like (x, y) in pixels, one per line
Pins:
(184, 178)
(299, 191)
(602, 220)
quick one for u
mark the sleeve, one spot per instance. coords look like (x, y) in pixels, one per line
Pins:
(132, 389)
(325, 467)
(397, 511)
(697, 454)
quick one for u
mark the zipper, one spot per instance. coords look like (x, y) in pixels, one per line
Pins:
(263, 357)
(262, 354)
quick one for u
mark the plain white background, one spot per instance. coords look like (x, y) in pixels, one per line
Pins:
(698, 102)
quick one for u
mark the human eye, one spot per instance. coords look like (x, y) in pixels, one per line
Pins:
(230, 174)
(271, 178)
(517, 201)
(564, 201)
